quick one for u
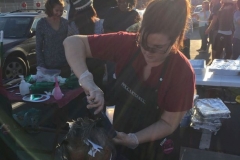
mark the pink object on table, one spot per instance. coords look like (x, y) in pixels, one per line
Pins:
(57, 93)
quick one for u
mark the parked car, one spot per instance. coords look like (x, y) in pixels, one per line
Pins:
(197, 9)
(19, 54)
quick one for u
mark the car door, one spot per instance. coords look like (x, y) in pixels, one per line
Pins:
(32, 44)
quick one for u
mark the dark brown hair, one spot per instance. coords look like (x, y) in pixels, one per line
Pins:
(50, 4)
(169, 17)
(81, 131)
(85, 20)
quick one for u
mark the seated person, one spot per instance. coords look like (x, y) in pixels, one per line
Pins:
(87, 140)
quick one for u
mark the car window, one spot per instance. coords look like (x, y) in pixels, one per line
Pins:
(34, 25)
(15, 27)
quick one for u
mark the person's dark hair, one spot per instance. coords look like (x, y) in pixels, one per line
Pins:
(169, 17)
(85, 20)
(50, 4)
(76, 140)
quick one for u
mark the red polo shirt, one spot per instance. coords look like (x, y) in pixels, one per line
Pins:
(177, 89)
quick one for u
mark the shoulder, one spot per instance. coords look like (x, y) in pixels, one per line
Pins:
(99, 26)
(65, 21)
(41, 21)
(181, 64)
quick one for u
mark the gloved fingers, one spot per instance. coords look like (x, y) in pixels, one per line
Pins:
(119, 139)
(98, 107)
(95, 94)
(130, 140)
(96, 100)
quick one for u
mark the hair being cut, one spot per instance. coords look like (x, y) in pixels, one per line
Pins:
(81, 131)
(50, 4)
(169, 17)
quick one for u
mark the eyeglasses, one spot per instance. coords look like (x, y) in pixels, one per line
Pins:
(156, 50)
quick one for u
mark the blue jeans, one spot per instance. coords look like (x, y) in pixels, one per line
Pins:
(236, 48)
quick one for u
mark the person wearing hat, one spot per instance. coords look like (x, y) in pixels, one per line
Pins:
(155, 81)
(223, 39)
(84, 21)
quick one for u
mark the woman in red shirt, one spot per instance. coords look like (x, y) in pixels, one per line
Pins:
(155, 82)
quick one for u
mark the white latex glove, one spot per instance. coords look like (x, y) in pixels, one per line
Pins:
(94, 94)
(130, 140)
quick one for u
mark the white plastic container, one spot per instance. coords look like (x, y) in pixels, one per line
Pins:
(199, 66)
(24, 86)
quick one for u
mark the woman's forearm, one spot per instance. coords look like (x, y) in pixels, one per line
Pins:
(162, 128)
(77, 50)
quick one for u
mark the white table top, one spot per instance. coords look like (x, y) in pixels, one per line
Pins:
(209, 79)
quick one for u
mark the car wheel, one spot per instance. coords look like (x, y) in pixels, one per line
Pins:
(13, 67)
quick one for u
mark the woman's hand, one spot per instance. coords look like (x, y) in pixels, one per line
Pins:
(130, 140)
(94, 93)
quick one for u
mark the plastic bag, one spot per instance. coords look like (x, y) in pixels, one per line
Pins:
(47, 75)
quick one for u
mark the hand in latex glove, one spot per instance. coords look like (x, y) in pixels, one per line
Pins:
(130, 140)
(94, 94)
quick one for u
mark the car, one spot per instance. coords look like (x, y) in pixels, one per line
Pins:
(197, 9)
(19, 42)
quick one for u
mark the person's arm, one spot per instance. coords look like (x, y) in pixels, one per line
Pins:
(165, 126)
(39, 44)
(77, 50)
(173, 111)
(212, 24)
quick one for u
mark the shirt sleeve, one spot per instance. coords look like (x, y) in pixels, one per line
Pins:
(72, 29)
(112, 47)
(40, 43)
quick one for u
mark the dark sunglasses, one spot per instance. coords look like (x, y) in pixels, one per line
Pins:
(155, 50)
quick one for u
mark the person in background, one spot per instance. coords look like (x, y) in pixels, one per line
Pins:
(50, 33)
(186, 42)
(236, 35)
(121, 17)
(155, 81)
(224, 35)
(118, 19)
(213, 24)
(85, 22)
(102, 6)
(203, 17)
